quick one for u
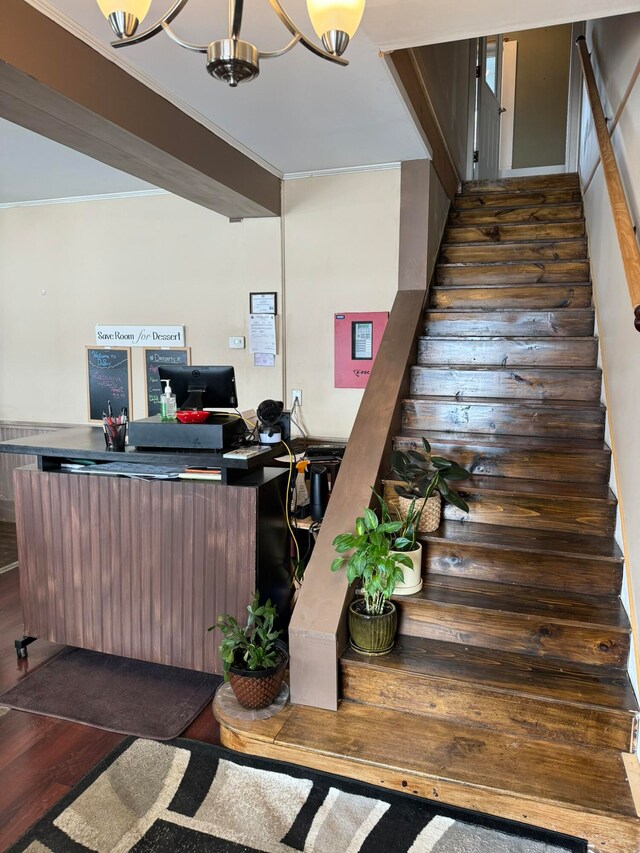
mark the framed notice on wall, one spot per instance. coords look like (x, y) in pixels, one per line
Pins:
(153, 359)
(108, 381)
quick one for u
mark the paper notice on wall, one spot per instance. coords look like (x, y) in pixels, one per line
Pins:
(262, 333)
(264, 359)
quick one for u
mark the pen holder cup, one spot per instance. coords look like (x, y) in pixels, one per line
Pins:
(115, 436)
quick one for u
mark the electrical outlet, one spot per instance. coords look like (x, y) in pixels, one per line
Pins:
(296, 397)
(236, 342)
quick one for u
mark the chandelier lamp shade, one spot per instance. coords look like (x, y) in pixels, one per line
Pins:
(232, 59)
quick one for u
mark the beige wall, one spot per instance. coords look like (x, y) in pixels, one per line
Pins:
(161, 259)
(542, 92)
(158, 259)
(614, 42)
(447, 69)
(341, 254)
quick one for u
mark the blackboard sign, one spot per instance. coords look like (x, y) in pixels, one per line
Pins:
(153, 359)
(108, 379)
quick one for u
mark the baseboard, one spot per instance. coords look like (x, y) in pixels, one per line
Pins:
(533, 170)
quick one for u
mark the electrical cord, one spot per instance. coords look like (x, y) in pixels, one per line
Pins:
(287, 508)
(302, 431)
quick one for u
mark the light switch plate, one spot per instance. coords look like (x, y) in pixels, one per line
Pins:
(236, 342)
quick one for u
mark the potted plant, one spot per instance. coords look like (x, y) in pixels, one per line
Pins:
(373, 618)
(405, 541)
(253, 658)
(424, 479)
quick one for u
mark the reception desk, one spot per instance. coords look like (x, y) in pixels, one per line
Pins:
(141, 568)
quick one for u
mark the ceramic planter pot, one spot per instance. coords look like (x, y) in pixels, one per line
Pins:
(372, 635)
(258, 688)
(412, 582)
(430, 518)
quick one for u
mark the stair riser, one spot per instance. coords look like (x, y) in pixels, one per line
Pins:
(517, 199)
(576, 466)
(532, 272)
(523, 297)
(529, 183)
(514, 213)
(534, 512)
(494, 252)
(505, 419)
(600, 577)
(496, 234)
(514, 632)
(478, 706)
(524, 323)
(525, 383)
(532, 352)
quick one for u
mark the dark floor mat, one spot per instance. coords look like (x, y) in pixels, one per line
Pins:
(114, 693)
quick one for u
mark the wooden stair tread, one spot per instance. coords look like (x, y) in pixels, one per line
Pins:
(517, 198)
(484, 244)
(534, 405)
(559, 543)
(457, 234)
(491, 322)
(538, 296)
(516, 441)
(516, 338)
(502, 185)
(579, 684)
(540, 488)
(555, 605)
(510, 214)
(456, 764)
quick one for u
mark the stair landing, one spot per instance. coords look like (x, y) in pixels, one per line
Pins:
(579, 791)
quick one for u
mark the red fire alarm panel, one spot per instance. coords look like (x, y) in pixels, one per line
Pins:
(357, 338)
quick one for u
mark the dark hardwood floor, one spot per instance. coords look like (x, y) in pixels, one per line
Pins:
(42, 758)
(8, 545)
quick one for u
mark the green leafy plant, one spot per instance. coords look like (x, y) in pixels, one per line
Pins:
(405, 539)
(422, 474)
(371, 560)
(253, 646)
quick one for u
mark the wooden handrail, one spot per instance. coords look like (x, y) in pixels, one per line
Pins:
(621, 215)
(317, 632)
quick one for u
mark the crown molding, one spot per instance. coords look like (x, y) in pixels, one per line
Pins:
(76, 198)
(48, 9)
(343, 170)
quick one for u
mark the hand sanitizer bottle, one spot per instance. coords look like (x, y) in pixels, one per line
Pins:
(168, 406)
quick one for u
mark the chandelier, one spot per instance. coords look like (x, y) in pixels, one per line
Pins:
(232, 59)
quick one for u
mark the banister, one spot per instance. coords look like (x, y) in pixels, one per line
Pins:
(317, 632)
(621, 214)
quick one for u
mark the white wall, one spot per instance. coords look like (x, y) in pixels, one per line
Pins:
(161, 259)
(614, 44)
(341, 254)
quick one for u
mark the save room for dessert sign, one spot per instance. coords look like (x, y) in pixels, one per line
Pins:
(140, 336)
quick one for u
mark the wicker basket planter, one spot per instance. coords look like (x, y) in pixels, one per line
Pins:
(256, 689)
(430, 518)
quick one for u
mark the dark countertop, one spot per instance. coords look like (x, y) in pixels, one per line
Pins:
(88, 443)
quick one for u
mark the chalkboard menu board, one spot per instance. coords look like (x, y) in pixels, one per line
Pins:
(153, 359)
(108, 379)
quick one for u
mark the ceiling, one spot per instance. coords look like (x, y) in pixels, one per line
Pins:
(302, 114)
(34, 168)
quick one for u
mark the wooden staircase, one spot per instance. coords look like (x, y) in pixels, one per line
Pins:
(507, 690)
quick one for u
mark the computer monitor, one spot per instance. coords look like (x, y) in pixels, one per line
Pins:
(201, 387)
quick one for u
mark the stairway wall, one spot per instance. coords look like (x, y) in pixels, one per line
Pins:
(614, 46)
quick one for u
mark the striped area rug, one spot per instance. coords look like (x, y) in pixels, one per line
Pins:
(189, 796)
